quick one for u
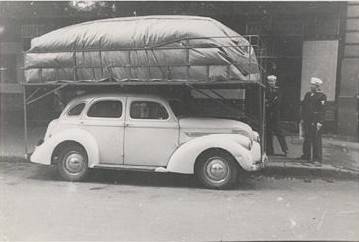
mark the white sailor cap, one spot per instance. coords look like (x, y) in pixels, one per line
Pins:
(272, 78)
(316, 81)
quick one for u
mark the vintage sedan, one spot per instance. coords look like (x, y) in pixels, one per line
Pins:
(142, 132)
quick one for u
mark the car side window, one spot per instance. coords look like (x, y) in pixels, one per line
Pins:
(106, 109)
(148, 110)
(76, 110)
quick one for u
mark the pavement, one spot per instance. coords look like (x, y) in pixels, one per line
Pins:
(36, 205)
(340, 154)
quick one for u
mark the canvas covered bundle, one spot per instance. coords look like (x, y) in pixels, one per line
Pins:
(148, 48)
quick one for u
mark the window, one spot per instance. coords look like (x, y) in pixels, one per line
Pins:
(106, 109)
(76, 110)
(148, 110)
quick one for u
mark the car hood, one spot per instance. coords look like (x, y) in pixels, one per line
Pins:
(203, 126)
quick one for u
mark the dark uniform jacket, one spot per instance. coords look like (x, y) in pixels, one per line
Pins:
(272, 105)
(313, 107)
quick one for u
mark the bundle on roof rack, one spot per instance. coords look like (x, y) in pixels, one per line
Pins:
(151, 48)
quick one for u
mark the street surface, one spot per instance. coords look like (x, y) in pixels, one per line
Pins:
(121, 206)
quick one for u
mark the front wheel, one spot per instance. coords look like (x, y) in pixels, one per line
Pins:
(73, 163)
(216, 170)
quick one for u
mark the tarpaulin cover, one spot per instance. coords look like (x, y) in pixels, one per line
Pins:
(147, 48)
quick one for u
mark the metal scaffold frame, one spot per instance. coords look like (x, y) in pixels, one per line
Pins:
(165, 69)
(41, 90)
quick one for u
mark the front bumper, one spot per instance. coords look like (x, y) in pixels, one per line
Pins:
(258, 159)
(252, 160)
(260, 164)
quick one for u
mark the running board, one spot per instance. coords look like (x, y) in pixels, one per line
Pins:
(132, 168)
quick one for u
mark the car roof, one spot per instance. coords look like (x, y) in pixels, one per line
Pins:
(87, 97)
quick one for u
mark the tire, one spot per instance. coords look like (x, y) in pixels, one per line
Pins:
(216, 170)
(73, 163)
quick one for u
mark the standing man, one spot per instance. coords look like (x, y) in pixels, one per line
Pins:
(312, 117)
(273, 117)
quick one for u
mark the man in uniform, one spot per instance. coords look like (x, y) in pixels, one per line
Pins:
(273, 116)
(312, 116)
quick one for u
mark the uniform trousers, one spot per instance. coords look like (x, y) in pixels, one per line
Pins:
(274, 129)
(312, 146)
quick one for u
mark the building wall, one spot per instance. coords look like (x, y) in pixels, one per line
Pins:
(349, 75)
(285, 35)
(283, 27)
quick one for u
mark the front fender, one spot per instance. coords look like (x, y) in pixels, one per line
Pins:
(184, 158)
(43, 153)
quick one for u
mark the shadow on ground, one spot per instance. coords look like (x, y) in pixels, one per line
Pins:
(254, 181)
(134, 178)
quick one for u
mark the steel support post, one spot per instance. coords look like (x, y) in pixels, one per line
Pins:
(25, 124)
(262, 117)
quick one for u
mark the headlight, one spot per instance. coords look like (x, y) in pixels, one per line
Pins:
(256, 137)
(250, 144)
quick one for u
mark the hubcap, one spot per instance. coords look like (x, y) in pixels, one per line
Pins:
(74, 163)
(217, 170)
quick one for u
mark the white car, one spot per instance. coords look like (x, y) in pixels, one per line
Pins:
(141, 132)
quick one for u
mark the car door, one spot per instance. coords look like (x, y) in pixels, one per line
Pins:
(104, 119)
(151, 132)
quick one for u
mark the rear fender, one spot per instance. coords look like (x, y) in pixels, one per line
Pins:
(43, 153)
(184, 158)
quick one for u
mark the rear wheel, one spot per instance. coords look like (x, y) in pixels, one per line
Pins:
(73, 163)
(216, 169)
